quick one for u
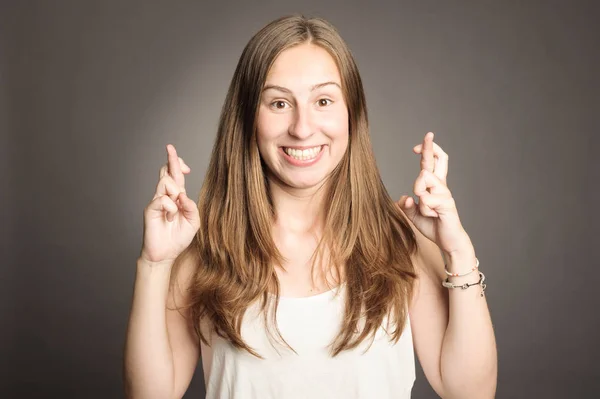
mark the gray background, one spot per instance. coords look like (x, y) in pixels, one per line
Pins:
(91, 92)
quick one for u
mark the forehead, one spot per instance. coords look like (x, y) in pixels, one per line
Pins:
(303, 65)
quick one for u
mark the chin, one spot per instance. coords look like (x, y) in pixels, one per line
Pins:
(304, 182)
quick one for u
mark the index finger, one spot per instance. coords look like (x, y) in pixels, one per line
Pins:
(440, 160)
(174, 167)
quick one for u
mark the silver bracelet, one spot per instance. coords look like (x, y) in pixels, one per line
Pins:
(446, 283)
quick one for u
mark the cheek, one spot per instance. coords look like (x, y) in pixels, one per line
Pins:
(263, 132)
(268, 127)
(336, 126)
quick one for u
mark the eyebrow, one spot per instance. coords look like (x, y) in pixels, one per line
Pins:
(286, 90)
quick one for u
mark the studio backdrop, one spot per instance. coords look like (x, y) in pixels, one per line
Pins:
(92, 91)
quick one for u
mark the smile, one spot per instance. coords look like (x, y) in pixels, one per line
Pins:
(302, 157)
(305, 154)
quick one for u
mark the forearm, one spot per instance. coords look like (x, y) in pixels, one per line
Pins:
(469, 356)
(148, 363)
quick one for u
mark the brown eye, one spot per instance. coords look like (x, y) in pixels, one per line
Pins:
(278, 104)
(324, 102)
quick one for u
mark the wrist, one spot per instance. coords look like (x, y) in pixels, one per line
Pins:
(143, 258)
(462, 265)
(154, 267)
(462, 247)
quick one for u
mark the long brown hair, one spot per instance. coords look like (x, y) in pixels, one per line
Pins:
(364, 230)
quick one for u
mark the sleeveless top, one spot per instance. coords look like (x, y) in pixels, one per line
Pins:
(309, 325)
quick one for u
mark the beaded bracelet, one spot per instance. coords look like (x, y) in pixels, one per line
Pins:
(446, 283)
(461, 275)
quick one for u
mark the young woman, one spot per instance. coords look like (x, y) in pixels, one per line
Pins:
(296, 275)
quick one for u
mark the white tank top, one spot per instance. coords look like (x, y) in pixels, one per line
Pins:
(309, 325)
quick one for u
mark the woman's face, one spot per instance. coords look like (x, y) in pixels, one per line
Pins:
(303, 118)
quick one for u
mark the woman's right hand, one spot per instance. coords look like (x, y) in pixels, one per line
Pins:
(171, 219)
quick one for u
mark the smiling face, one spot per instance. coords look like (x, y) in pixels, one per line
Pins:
(302, 125)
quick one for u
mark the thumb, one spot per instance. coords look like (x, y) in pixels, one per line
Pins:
(408, 205)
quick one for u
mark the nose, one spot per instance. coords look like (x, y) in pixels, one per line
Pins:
(301, 126)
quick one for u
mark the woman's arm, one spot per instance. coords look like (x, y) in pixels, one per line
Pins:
(452, 328)
(161, 352)
(469, 364)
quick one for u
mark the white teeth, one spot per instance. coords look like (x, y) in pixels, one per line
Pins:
(303, 155)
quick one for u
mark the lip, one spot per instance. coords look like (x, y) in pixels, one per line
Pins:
(301, 147)
(301, 163)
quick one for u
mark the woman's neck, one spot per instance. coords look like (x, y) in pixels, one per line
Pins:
(297, 210)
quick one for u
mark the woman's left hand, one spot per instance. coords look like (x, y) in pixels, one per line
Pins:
(435, 215)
